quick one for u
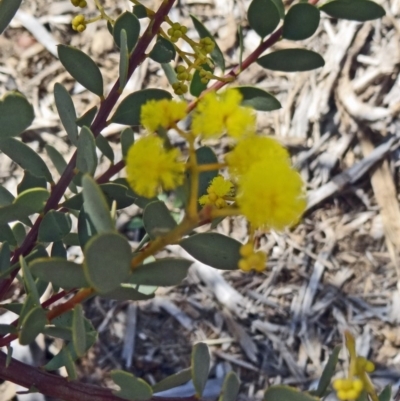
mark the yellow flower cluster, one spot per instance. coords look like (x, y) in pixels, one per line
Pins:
(218, 189)
(79, 3)
(162, 113)
(79, 23)
(149, 167)
(251, 260)
(348, 389)
(364, 365)
(218, 114)
(176, 31)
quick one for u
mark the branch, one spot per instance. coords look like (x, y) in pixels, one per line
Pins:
(56, 386)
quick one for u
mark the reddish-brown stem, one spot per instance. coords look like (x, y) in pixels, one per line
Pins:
(59, 387)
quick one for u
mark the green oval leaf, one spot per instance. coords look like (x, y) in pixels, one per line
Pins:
(173, 381)
(87, 118)
(7, 329)
(96, 205)
(6, 236)
(157, 219)
(54, 226)
(230, 388)
(128, 22)
(200, 367)
(126, 292)
(25, 157)
(163, 51)
(127, 140)
(82, 68)
(30, 181)
(216, 55)
(123, 60)
(128, 112)
(386, 394)
(59, 272)
(105, 147)
(118, 193)
(86, 229)
(196, 86)
(66, 111)
(328, 372)
(29, 282)
(281, 7)
(163, 272)
(213, 249)
(291, 60)
(107, 261)
(78, 331)
(284, 393)
(263, 16)
(86, 159)
(356, 10)
(4, 256)
(140, 11)
(8, 8)
(132, 388)
(32, 325)
(258, 99)
(205, 155)
(16, 113)
(301, 21)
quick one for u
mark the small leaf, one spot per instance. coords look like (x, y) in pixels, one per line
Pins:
(283, 393)
(216, 55)
(123, 60)
(54, 226)
(66, 110)
(118, 193)
(127, 140)
(19, 233)
(107, 261)
(301, 21)
(263, 16)
(16, 113)
(4, 257)
(78, 331)
(292, 60)
(127, 292)
(105, 147)
(196, 86)
(328, 372)
(173, 381)
(356, 10)
(82, 68)
(87, 118)
(213, 249)
(86, 229)
(169, 73)
(7, 235)
(157, 219)
(29, 282)
(205, 155)
(281, 8)
(32, 325)
(68, 362)
(386, 394)
(128, 112)
(230, 388)
(25, 157)
(132, 388)
(96, 205)
(258, 99)
(60, 272)
(131, 25)
(7, 329)
(30, 181)
(163, 51)
(163, 272)
(8, 8)
(58, 250)
(6, 197)
(140, 11)
(200, 367)
(86, 159)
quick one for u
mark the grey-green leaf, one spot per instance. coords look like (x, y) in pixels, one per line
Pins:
(356, 10)
(284, 393)
(8, 8)
(128, 112)
(105, 147)
(263, 16)
(200, 367)
(16, 113)
(4, 257)
(96, 205)
(127, 292)
(140, 11)
(205, 155)
(213, 249)
(301, 21)
(131, 25)
(230, 388)
(54, 226)
(163, 51)
(32, 325)
(258, 99)
(78, 331)
(281, 7)
(216, 55)
(163, 272)
(292, 60)
(7, 329)
(107, 261)
(157, 219)
(82, 68)
(30, 181)
(19, 233)
(7, 235)
(25, 157)
(173, 381)
(196, 86)
(127, 140)
(87, 118)
(86, 160)
(29, 282)
(386, 394)
(328, 372)
(66, 110)
(123, 60)
(132, 388)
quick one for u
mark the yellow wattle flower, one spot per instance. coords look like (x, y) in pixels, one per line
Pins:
(218, 188)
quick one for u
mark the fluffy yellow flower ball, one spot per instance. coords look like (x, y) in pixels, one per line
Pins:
(150, 166)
